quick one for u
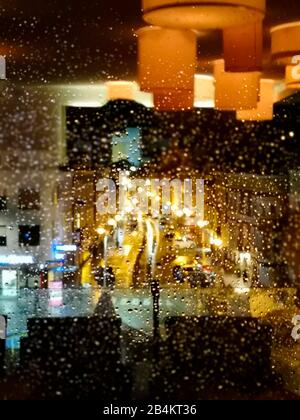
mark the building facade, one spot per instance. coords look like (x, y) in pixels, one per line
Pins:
(251, 221)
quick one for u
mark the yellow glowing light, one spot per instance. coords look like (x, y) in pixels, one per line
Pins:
(179, 213)
(187, 212)
(181, 260)
(127, 249)
(129, 208)
(112, 222)
(245, 257)
(216, 241)
(202, 223)
(118, 218)
(101, 231)
(135, 201)
(206, 250)
(126, 182)
(242, 290)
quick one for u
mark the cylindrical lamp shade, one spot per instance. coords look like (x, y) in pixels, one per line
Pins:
(285, 42)
(264, 109)
(120, 90)
(167, 63)
(292, 76)
(235, 91)
(173, 100)
(203, 14)
(243, 48)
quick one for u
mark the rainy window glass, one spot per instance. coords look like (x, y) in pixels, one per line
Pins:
(3, 239)
(29, 235)
(3, 203)
(150, 202)
(29, 199)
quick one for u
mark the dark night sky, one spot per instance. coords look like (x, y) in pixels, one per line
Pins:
(73, 40)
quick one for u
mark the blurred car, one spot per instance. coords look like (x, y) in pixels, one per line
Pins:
(195, 274)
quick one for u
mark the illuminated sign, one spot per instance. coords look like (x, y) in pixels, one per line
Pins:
(59, 256)
(56, 294)
(16, 259)
(65, 248)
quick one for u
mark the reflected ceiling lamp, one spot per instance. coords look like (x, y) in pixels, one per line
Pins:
(167, 65)
(235, 91)
(241, 22)
(203, 14)
(121, 90)
(292, 74)
(286, 51)
(243, 47)
(264, 109)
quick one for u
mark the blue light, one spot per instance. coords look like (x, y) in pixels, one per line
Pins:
(65, 248)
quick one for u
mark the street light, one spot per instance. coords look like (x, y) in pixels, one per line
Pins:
(202, 223)
(216, 241)
(103, 232)
(112, 222)
(155, 291)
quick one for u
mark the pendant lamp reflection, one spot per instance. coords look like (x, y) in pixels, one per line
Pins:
(264, 109)
(243, 48)
(167, 63)
(203, 14)
(121, 90)
(235, 91)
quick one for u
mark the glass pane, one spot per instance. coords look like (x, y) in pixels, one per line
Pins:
(150, 201)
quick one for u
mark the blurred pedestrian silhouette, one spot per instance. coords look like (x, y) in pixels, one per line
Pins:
(246, 279)
(99, 275)
(110, 278)
(105, 307)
